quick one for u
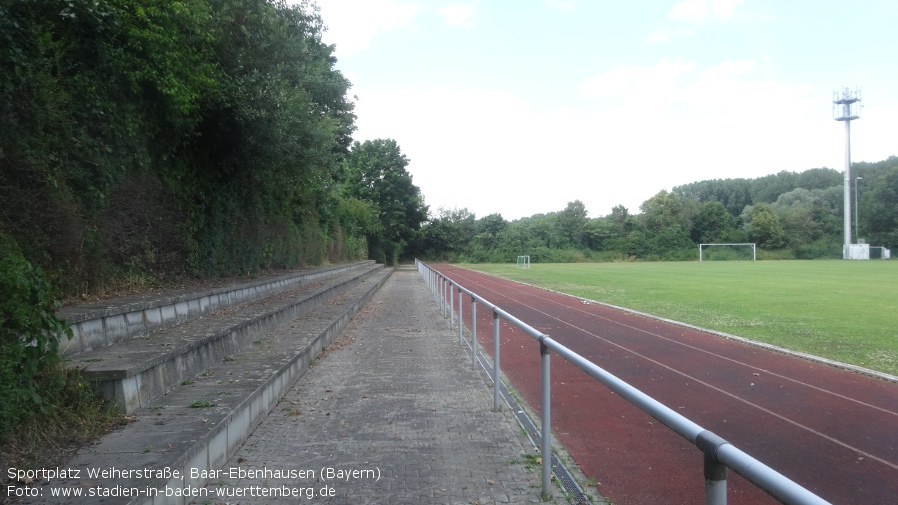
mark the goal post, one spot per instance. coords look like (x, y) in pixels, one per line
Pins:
(524, 262)
(754, 249)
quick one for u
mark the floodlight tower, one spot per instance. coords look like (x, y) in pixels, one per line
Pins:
(846, 107)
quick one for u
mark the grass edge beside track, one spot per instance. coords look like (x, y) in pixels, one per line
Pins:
(841, 311)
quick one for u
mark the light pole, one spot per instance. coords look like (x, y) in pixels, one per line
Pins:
(856, 232)
(847, 107)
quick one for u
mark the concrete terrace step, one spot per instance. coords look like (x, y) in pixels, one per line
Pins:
(103, 323)
(137, 371)
(200, 424)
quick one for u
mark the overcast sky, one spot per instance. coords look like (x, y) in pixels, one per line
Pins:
(518, 107)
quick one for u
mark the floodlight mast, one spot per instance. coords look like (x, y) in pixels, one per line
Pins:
(847, 107)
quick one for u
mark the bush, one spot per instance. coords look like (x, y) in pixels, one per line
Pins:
(29, 337)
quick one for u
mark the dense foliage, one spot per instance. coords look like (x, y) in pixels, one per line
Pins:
(150, 137)
(788, 215)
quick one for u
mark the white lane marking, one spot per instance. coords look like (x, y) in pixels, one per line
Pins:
(715, 388)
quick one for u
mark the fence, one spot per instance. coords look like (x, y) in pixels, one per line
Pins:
(719, 455)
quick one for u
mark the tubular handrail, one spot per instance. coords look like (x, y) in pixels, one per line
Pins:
(718, 453)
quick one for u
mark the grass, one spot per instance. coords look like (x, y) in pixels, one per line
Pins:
(841, 310)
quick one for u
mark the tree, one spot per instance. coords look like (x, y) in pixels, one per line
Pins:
(621, 220)
(765, 227)
(375, 172)
(809, 215)
(488, 230)
(446, 235)
(664, 210)
(880, 210)
(712, 223)
(572, 222)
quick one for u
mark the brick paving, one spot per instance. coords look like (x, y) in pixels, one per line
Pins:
(392, 412)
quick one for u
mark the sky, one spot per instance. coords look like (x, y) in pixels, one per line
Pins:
(519, 107)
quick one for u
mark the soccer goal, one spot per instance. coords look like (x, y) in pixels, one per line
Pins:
(524, 262)
(728, 252)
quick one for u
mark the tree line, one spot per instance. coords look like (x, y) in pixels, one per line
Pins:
(790, 215)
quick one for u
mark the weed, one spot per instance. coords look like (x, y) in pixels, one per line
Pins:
(201, 404)
(531, 461)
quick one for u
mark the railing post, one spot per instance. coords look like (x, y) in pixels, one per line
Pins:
(451, 306)
(715, 471)
(495, 361)
(546, 442)
(460, 322)
(715, 481)
(442, 295)
(473, 332)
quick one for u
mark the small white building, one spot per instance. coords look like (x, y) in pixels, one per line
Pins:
(857, 251)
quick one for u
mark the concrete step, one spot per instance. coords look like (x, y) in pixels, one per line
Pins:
(200, 424)
(136, 372)
(103, 323)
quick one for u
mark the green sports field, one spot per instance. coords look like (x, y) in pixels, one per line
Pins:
(842, 310)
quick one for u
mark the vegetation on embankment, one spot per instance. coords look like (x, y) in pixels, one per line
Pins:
(141, 140)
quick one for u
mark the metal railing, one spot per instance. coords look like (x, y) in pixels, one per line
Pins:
(719, 455)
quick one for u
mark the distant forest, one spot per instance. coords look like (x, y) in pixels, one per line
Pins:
(790, 215)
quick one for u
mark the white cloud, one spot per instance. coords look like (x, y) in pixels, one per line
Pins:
(353, 24)
(724, 8)
(647, 82)
(652, 127)
(717, 121)
(458, 14)
(659, 36)
(698, 10)
(565, 5)
(728, 69)
(665, 35)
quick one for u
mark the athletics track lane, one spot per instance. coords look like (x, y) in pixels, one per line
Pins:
(833, 431)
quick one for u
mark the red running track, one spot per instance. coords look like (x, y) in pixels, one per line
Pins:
(833, 431)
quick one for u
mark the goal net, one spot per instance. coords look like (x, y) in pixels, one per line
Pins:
(727, 252)
(524, 262)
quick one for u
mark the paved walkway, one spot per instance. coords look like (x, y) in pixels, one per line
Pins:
(392, 412)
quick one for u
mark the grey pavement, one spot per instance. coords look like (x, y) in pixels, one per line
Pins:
(391, 412)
